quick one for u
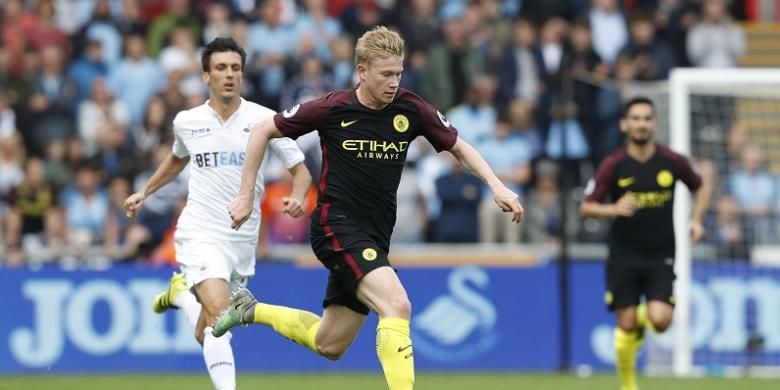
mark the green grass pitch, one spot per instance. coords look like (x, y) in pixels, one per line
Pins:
(508, 381)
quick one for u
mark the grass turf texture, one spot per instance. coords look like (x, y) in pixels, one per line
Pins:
(372, 382)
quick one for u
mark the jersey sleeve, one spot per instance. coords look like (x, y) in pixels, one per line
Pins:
(287, 151)
(303, 118)
(179, 149)
(687, 173)
(435, 127)
(598, 187)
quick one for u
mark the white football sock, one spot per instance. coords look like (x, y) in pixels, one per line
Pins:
(218, 355)
(187, 302)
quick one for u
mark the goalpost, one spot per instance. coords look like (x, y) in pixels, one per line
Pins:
(704, 106)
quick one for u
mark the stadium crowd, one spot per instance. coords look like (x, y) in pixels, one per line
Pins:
(88, 90)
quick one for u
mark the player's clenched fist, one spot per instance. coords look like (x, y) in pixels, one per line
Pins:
(293, 206)
(239, 210)
(626, 205)
(133, 204)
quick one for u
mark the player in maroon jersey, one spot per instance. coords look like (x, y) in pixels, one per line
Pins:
(635, 186)
(365, 133)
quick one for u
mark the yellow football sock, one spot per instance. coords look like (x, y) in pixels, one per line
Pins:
(395, 352)
(626, 346)
(642, 320)
(297, 325)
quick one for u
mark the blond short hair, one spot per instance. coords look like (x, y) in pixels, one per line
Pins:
(379, 42)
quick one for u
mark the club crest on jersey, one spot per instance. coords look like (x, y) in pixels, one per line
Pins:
(443, 120)
(247, 129)
(288, 113)
(401, 123)
(664, 178)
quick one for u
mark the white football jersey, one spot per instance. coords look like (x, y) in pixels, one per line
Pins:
(217, 152)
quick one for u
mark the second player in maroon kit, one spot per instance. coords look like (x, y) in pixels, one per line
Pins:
(635, 186)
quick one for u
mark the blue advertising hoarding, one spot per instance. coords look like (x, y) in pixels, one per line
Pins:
(101, 321)
(466, 318)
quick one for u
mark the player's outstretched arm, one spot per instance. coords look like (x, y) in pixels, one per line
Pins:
(293, 204)
(241, 207)
(469, 158)
(167, 171)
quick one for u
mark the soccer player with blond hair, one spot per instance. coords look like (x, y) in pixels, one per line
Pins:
(365, 134)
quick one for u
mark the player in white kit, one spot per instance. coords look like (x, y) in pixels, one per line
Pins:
(214, 258)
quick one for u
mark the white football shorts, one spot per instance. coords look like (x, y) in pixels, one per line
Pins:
(233, 262)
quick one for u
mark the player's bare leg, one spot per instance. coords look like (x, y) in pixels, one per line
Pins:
(382, 292)
(628, 339)
(214, 296)
(659, 314)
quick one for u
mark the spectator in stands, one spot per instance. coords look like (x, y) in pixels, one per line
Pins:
(315, 24)
(132, 21)
(460, 194)
(154, 130)
(45, 32)
(645, 56)
(16, 27)
(673, 19)
(544, 200)
(7, 115)
(755, 189)
(362, 15)
(452, 66)
(565, 138)
(11, 159)
(51, 103)
(419, 25)
(58, 172)
(182, 55)
(411, 213)
(311, 82)
(608, 25)
(476, 116)
(100, 108)
(87, 207)
(585, 67)
(729, 231)
(343, 68)
(178, 12)
(115, 154)
(270, 42)
(510, 157)
(84, 70)
(715, 41)
(136, 65)
(521, 73)
(520, 114)
(101, 27)
(218, 23)
(29, 202)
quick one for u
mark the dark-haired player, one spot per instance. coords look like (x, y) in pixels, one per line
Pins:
(635, 186)
(215, 259)
(365, 134)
